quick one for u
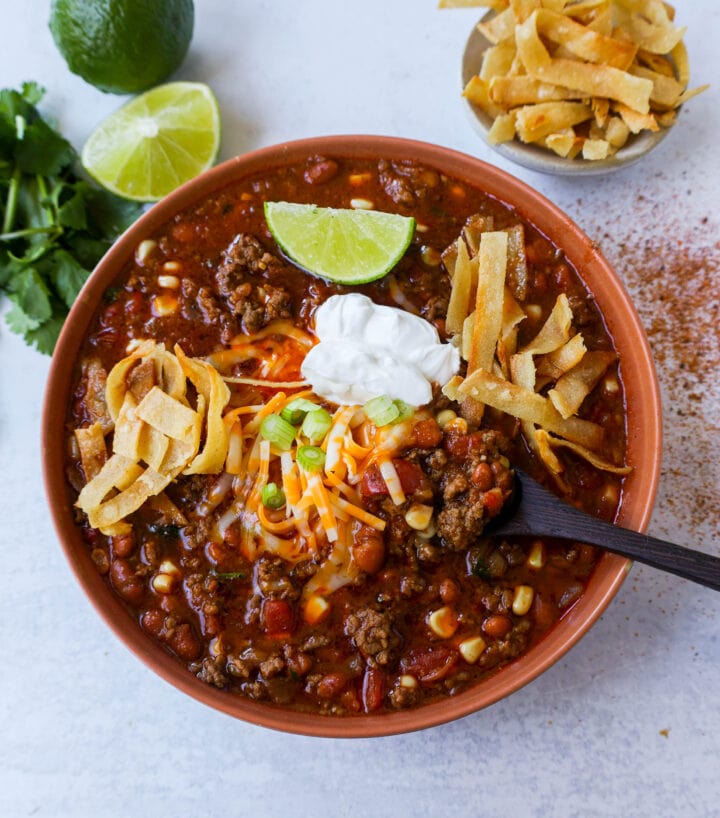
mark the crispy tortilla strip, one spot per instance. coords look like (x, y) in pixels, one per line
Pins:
(153, 446)
(498, 5)
(517, 269)
(173, 378)
(477, 91)
(555, 364)
(498, 60)
(502, 130)
(489, 299)
(679, 56)
(666, 90)
(584, 43)
(592, 458)
(513, 315)
(117, 473)
(462, 282)
(595, 149)
(128, 429)
(576, 384)
(467, 337)
(93, 451)
(208, 383)
(533, 122)
(527, 405)
(541, 445)
(499, 28)
(511, 91)
(635, 121)
(594, 80)
(555, 331)
(116, 386)
(167, 414)
(564, 144)
(474, 227)
(117, 508)
(616, 131)
(658, 36)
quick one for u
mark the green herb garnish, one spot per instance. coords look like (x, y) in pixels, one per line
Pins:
(228, 575)
(54, 226)
(171, 531)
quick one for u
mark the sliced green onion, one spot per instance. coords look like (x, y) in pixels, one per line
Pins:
(405, 410)
(311, 458)
(278, 431)
(382, 410)
(296, 410)
(316, 425)
(273, 496)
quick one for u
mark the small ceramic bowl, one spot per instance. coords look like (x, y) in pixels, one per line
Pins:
(533, 156)
(643, 432)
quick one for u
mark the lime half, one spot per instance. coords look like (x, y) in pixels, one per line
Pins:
(155, 142)
(345, 246)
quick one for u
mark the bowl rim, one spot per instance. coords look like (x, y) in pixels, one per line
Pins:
(643, 422)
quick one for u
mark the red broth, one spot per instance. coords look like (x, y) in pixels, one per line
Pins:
(426, 614)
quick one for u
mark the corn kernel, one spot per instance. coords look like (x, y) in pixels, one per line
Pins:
(172, 267)
(163, 583)
(316, 609)
(421, 228)
(443, 622)
(144, 249)
(444, 417)
(246, 197)
(428, 532)
(471, 649)
(170, 282)
(610, 494)
(406, 680)
(169, 567)
(418, 516)
(164, 305)
(430, 256)
(522, 599)
(458, 191)
(458, 425)
(362, 204)
(359, 178)
(536, 557)
(216, 646)
(611, 385)
(533, 311)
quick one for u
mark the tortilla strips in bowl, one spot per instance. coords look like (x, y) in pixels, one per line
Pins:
(544, 383)
(579, 79)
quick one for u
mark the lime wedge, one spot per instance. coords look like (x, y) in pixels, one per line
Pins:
(345, 246)
(155, 142)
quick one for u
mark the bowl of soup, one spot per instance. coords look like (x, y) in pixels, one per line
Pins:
(307, 551)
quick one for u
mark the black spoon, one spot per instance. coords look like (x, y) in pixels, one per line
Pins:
(534, 511)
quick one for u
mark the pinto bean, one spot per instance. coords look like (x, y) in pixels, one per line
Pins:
(368, 550)
(331, 685)
(497, 626)
(125, 582)
(321, 171)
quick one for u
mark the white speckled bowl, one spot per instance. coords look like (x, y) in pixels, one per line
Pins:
(533, 156)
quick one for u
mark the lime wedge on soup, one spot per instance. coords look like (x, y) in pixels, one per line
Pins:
(345, 246)
(155, 142)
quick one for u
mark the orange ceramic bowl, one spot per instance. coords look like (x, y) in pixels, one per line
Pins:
(643, 433)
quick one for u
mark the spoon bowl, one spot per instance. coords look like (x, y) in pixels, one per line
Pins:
(534, 511)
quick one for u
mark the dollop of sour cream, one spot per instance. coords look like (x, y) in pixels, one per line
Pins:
(366, 350)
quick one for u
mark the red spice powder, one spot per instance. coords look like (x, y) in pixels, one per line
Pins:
(672, 271)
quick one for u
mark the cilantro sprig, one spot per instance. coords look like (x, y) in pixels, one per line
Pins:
(54, 225)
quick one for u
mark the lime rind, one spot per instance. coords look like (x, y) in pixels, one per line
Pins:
(344, 246)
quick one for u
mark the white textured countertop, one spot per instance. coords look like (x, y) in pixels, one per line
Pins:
(628, 723)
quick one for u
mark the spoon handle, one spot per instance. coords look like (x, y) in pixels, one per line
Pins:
(542, 513)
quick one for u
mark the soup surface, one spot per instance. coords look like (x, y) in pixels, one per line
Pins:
(365, 588)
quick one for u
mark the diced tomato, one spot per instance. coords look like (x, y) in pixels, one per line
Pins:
(411, 476)
(373, 689)
(493, 502)
(427, 434)
(277, 617)
(373, 484)
(456, 444)
(429, 665)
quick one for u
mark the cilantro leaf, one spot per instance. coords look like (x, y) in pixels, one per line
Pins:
(54, 225)
(68, 276)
